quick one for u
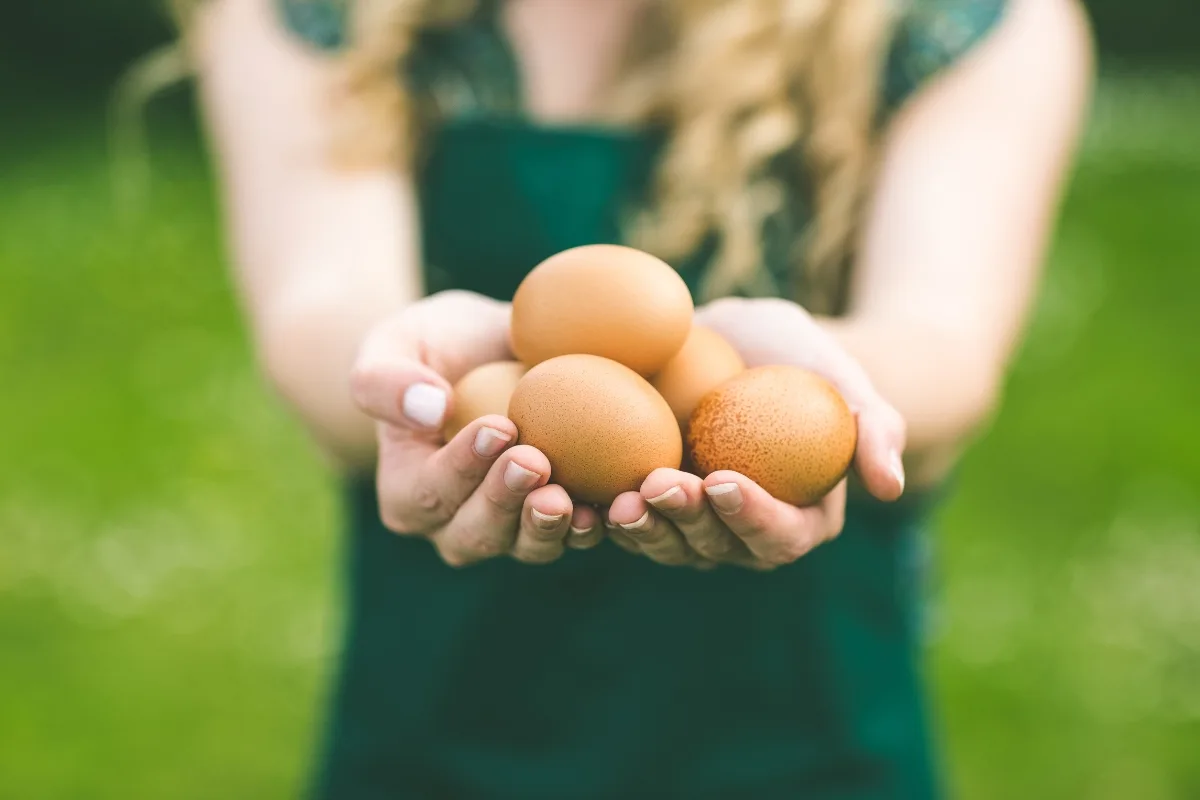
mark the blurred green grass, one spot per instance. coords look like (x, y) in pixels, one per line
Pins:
(168, 539)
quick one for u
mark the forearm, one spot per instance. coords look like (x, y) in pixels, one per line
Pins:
(956, 230)
(318, 253)
(306, 347)
(944, 383)
(312, 297)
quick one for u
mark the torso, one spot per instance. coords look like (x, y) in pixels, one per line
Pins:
(605, 675)
(568, 54)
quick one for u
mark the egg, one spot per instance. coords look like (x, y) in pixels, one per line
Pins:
(602, 300)
(601, 425)
(705, 361)
(482, 391)
(783, 427)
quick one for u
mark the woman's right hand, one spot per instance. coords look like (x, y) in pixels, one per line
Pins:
(476, 496)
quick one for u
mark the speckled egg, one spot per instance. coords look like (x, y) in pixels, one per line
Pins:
(785, 428)
(601, 425)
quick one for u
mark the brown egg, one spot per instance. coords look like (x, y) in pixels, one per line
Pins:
(603, 300)
(705, 361)
(783, 427)
(482, 391)
(602, 426)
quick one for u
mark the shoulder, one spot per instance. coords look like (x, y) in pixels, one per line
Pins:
(1018, 37)
(930, 35)
(323, 24)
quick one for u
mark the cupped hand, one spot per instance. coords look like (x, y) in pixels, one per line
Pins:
(681, 519)
(477, 496)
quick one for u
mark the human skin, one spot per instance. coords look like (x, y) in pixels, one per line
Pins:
(328, 267)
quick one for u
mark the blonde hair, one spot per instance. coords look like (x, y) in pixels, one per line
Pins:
(740, 85)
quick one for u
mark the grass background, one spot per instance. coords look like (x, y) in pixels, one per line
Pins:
(168, 539)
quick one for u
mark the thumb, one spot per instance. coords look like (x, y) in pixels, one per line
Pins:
(881, 434)
(401, 391)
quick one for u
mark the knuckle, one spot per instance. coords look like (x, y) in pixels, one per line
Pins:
(714, 546)
(543, 536)
(790, 550)
(535, 532)
(395, 520)
(691, 514)
(478, 544)
(590, 541)
(542, 554)
(427, 500)
(453, 557)
(483, 546)
(501, 501)
(752, 529)
(673, 557)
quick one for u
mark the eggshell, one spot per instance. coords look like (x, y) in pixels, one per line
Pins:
(705, 361)
(482, 391)
(603, 300)
(601, 425)
(783, 427)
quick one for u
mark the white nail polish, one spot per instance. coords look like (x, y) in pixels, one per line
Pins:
(425, 405)
(641, 523)
(897, 469)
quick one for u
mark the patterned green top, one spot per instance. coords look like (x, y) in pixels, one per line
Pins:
(473, 64)
(467, 73)
(604, 675)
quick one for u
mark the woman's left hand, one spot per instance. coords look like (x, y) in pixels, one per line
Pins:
(681, 519)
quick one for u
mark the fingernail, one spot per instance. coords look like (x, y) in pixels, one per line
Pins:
(425, 405)
(580, 531)
(672, 499)
(489, 441)
(727, 497)
(519, 479)
(640, 525)
(897, 468)
(546, 522)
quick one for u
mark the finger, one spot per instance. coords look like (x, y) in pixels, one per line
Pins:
(585, 531)
(619, 537)
(834, 507)
(485, 526)
(655, 536)
(544, 523)
(400, 390)
(421, 486)
(680, 497)
(877, 459)
(775, 532)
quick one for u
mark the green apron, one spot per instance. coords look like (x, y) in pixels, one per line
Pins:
(605, 675)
